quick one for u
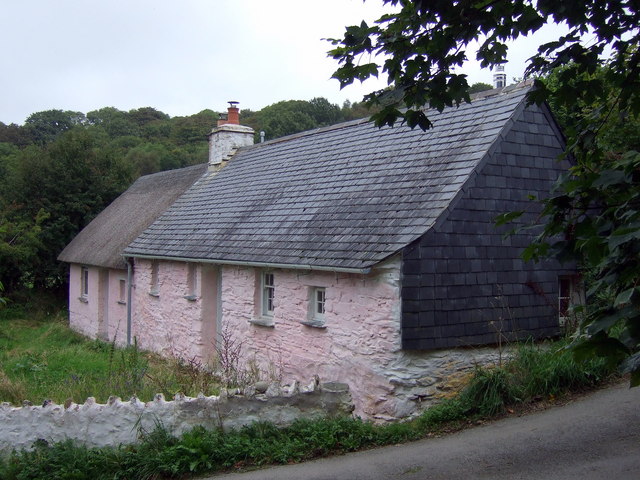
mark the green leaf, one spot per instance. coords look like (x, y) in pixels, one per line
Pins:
(624, 298)
(601, 345)
(507, 218)
(608, 178)
(623, 235)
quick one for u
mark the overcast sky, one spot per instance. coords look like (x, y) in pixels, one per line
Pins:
(180, 57)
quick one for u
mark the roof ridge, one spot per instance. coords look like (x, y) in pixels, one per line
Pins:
(486, 94)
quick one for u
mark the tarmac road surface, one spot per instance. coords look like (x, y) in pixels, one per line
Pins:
(593, 437)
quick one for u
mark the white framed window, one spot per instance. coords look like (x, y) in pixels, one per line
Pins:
(122, 291)
(84, 283)
(567, 297)
(319, 297)
(317, 303)
(268, 294)
(154, 287)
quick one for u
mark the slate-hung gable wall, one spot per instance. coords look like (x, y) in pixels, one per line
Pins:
(463, 282)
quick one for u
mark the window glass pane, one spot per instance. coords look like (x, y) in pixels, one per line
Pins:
(320, 296)
(564, 296)
(123, 290)
(268, 293)
(84, 282)
(155, 282)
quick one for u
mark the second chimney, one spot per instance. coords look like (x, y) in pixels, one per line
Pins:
(228, 136)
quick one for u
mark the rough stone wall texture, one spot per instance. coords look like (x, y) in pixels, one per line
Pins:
(464, 283)
(167, 321)
(118, 422)
(421, 379)
(361, 335)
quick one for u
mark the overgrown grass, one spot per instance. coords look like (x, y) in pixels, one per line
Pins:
(41, 358)
(535, 372)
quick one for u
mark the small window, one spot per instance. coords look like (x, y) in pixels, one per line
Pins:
(84, 283)
(565, 293)
(192, 279)
(154, 288)
(268, 294)
(122, 291)
(317, 301)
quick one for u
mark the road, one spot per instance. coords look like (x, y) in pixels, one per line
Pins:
(593, 437)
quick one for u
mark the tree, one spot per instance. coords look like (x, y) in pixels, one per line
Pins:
(593, 216)
(284, 118)
(47, 196)
(115, 122)
(46, 126)
(149, 158)
(480, 87)
(420, 46)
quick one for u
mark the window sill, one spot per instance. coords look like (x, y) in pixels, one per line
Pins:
(154, 294)
(263, 322)
(83, 299)
(314, 324)
(191, 298)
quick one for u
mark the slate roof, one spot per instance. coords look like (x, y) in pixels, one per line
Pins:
(342, 197)
(102, 241)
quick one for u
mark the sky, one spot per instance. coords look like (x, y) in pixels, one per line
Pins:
(182, 57)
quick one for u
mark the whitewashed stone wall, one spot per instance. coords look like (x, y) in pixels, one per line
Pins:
(118, 422)
(167, 321)
(361, 328)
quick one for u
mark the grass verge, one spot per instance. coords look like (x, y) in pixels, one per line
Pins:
(535, 372)
(41, 358)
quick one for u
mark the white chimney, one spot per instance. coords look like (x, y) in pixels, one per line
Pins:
(228, 136)
(499, 77)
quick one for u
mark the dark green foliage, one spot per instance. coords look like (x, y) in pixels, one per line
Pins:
(45, 127)
(421, 44)
(293, 116)
(534, 372)
(480, 87)
(593, 215)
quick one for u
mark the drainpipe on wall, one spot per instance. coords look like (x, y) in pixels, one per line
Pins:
(129, 276)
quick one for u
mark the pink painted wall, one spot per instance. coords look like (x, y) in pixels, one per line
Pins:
(362, 322)
(360, 345)
(83, 312)
(99, 314)
(167, 322)
(362, 331)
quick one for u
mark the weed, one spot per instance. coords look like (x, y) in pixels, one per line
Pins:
(12, 391)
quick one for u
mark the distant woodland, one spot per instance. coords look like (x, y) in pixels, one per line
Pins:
(61, 168)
